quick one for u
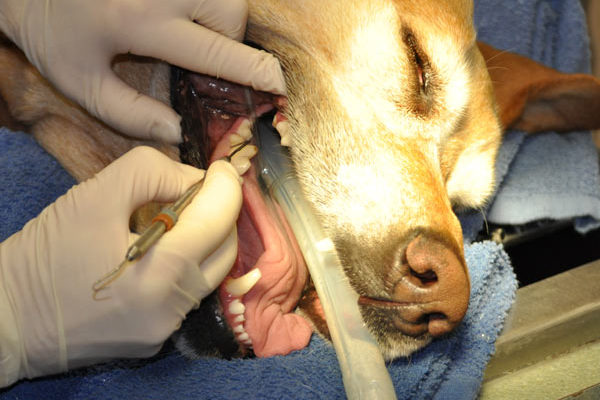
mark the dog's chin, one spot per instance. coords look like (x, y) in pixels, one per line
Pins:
(394, 344)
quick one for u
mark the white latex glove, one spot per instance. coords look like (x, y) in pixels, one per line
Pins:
(50, 322)
(72, 43)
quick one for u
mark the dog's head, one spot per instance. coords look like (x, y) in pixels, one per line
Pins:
(393, 123)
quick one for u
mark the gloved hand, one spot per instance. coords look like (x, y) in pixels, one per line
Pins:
(50, 322)
(73, 42)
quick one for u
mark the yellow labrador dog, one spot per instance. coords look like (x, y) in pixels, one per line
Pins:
(393, 122)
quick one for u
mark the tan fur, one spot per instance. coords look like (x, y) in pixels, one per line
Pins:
(377, 156)
(81, 143)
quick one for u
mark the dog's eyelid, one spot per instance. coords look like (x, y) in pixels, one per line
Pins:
(419, 58)
(423, 86)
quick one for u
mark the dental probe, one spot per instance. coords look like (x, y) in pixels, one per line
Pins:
(161, 223)
(364, 373)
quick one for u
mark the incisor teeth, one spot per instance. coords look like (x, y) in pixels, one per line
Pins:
(238, 329)
(244, 129)
(237, 307)
(239, 319)
(281, 124)
(242, 337)
(242, 285)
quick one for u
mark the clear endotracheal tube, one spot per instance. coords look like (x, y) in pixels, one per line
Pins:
(363, 369)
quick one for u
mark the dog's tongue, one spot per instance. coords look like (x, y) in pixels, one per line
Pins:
(210, 108)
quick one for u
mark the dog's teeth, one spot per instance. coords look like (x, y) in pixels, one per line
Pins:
(239, 319)
(241, 164)
(237, 307)
(249, 151)
(244, 130)
(286, 139)
(281, 124)
(241, 335)
(235, 140)
(242, 285)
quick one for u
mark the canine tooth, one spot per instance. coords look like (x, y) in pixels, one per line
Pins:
(243, 336)
(243, 284)
(237, 307)
(244, 130)
(239, 319)
(283, 127)
(238, 329)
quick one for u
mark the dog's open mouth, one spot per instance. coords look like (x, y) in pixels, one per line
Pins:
(258, 298)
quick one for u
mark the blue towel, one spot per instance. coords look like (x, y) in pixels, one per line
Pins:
(451, 368)
(552, 176)
(30, 179)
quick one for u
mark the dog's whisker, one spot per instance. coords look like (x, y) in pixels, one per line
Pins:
(485, 221)
(498, 54)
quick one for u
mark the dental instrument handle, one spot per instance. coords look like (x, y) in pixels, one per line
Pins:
(161, 223)
(364, 373)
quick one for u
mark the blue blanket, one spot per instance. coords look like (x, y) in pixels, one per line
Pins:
(551, 176)
(451, 368)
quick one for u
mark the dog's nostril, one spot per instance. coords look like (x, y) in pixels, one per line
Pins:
(426, 278)
(434, 285)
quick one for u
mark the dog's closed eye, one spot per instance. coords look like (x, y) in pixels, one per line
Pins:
(422, 73)
(419, 60)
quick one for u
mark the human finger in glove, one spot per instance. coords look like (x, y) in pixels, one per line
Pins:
(50, 321)
(73, 42)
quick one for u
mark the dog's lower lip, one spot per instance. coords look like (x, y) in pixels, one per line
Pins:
(414, 329)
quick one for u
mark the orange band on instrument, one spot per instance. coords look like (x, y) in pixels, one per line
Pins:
(165, 219)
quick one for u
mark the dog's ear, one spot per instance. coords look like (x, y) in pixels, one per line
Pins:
(534, 98)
